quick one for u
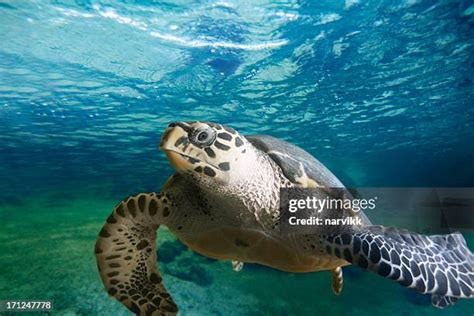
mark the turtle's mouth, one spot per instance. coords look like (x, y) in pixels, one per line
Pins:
(177, 160)
(182, 161)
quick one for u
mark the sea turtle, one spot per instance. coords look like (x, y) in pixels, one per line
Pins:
(223, 202)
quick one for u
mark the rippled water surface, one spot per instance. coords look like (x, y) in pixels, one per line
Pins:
(379, 91)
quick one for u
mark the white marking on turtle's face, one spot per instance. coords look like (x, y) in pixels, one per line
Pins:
(206, 151)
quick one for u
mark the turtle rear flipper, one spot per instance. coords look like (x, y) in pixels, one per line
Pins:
(337, 280)
(126, 255)
(237, 266)
(443, 301)
(439, 265)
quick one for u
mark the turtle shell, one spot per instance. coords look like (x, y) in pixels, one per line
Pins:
(297, 165)
(301, 168)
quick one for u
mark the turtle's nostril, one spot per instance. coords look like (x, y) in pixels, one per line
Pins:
(173, 124)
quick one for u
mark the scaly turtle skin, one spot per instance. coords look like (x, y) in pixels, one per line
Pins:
(223, 202)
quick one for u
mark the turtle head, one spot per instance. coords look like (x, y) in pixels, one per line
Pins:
(207, 152)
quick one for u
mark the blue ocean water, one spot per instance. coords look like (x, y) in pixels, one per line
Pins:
(379, 91)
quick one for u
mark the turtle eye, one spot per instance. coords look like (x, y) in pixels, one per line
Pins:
(203, 137)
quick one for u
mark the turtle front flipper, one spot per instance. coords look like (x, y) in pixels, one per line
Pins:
(439, 265)
(126, 255)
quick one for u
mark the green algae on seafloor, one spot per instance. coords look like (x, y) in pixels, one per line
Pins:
(47, 253)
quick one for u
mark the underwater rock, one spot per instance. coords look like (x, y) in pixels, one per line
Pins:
(203, 259)
(169, 250)
(188, 269)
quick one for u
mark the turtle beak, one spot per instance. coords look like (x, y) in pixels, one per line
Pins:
(177, 160)
(174, 143)
(173, 137)
(165, 138)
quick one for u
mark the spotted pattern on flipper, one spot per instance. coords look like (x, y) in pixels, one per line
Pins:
(443, 301)
(439, 265)
(126, 255)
